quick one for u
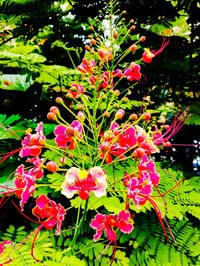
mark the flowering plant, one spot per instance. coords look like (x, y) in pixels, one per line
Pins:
(81, 163)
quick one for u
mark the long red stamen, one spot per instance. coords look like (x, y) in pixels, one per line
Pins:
(168, 190)
(161, 196)
(115, 247)
(160, 215)
(39, 228)
(10, 131)
(164, 44)
(26, 215)
(1, 205)
(10, 154)
(142, 105)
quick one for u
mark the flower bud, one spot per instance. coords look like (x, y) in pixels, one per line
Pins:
(85, 61)
(62, 160)
(124, 12)
(116, 105)
(52, 166)
(116, 92)
(142, 38)
(133, 48)
(69, 95)
(133, 117)
(146, 117)
(91, 28)
(59, 100)
(55, 110)
(138, 153)
(51, 116)
(93, 42)
(87, 47)
(125, 99)
(81, 116)
(132, 21)
(119, 114)
(115, 35)
(80, 107)
(106, 114)
(132, 27)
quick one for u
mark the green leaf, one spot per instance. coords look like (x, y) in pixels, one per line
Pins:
(15, 82)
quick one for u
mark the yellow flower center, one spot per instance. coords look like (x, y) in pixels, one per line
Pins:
(82, 174)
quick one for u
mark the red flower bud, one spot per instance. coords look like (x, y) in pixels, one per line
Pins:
(55, 110)
(146, 116)
(133, 117)
(59, 100)
(142, 38)
(52, 166)
(87, 47)
(115, 35)
(106, 114)
(51, 116)
(119, 114)
(133, 48)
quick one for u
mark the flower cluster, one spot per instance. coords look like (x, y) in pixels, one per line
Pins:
(81, 159)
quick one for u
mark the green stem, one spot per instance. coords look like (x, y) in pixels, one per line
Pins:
(77, 230)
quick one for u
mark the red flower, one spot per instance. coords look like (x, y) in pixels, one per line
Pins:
(105, 222)
(87, 66)
(37, 171)
(33, 143)
(149, 55)
(49, 210)
(25, 185)
(65, 135)
(83, 182)
(140, 189)
(133, 72)
(76, 90)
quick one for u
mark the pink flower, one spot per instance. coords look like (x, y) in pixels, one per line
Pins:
(87, 66)
(102, 81)
(37, 171)
(83, 182)
(148, 165)
(25, 185)
(137, 187)
(76, 90)
(33, 143)
(118, 73)
(127, 138)
(105, 222)
(133, 72)
(62, 138)
(113, 149)
(49, 210)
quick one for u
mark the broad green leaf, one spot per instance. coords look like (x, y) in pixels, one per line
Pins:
(15, 82)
